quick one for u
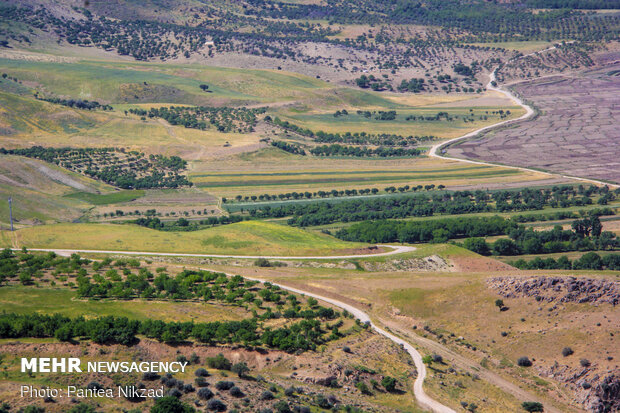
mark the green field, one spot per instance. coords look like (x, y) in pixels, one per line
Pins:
(326, 122)
(25, 300)
(105, 199)
(243, 238)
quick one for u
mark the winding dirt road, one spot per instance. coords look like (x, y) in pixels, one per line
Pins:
(422, 398)
(436, 150)
(396, 249)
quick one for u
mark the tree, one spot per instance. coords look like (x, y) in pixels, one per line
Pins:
(499, 303)
(477, 245)
(532, 407)
(524, 362)
(170, 404)
(389, 383)
(241, 369)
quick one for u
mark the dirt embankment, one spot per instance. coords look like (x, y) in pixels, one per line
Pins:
(559, 289)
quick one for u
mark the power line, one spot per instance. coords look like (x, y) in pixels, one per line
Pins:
(11, 211)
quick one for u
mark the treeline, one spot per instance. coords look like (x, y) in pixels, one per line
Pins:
(300, 336)
(356, 138)
(289, 147)
(223, 119)
(437, 230)
(586, 235)
(183, 224)
(124, 169)
(574, 4)
(357, 151)
(588, 261)
(75, 103)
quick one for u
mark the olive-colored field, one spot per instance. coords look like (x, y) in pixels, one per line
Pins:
(273, 171)
(243, 238)
(325, 121)
(24, 300)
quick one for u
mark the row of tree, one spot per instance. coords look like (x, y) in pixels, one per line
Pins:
(436, 230)
(588, 261)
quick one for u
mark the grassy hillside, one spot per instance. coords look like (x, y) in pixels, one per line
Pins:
(243, 238)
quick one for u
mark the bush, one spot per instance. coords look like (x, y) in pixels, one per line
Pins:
(150, 376)
(567, 351)
(346, 349)
(389, 383)
(216, 405)
(236, 392)
(201, 382)
(224, 385)
(170, 404)
(201, 372)
(584, 362)
(81, 408)
(267, 395)
(219, 362)
(241, 369)
(289, 392)
(524, 362)
(532, 407)
(437, 358)
(282, 407)
(204, 393)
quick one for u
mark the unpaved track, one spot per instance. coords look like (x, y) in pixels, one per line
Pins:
(397, 249)
(422, 398)
(529, 112)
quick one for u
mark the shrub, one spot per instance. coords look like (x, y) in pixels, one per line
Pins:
(201, 382)
(532, 407)
(584, 362)
(216, 405)
(170, 404)
(346, 349)
(219, 362)
(389, 383)
(290, 391)
(150, 376)
(524, 362)
(267, 395)
(201, 372)
(437, 358)
(567, 351)
(80, 408)
(241, 369)
(236, 392)
(224, 385)
(205, 393)
(362, 387)
(282, 407)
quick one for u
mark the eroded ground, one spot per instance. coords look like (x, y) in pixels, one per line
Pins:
(576, 132)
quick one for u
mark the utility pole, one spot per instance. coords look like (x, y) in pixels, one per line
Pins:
(11, 211)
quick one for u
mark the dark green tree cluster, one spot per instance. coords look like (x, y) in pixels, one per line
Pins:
(362, 151)
(289, 147)
(76, 103)
(223, 119)
(588, 261)
(586, 235)
(185, 225)
(436, 230)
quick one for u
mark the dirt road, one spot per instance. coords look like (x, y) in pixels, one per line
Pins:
(395, 249)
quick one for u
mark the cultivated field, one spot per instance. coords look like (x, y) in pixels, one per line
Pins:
(243, 238)
(575, 133)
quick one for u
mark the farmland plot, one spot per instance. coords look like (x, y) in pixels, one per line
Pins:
(576, 132)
